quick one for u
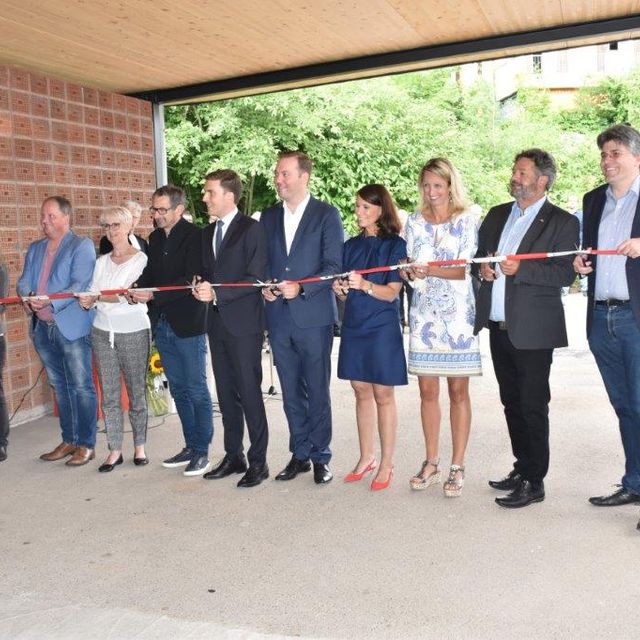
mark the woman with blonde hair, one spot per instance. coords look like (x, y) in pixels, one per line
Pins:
(441, 317)
(120, 337)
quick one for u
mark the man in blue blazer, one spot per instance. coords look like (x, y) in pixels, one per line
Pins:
(612, 220)
(60, 262)
(305, 239)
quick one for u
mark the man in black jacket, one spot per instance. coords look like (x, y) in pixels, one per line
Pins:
(520, 302)
(612, 220)
(234, 249)
(178, 322)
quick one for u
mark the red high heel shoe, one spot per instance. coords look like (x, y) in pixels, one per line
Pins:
(356, 477)
(378, 486)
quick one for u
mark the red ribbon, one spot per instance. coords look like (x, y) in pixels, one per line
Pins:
(433, 263)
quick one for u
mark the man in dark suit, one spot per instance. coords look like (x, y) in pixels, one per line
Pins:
(305, 239)
(134, 239)
(178, 322)
(520, 302)
(234, 249)
(612, 219)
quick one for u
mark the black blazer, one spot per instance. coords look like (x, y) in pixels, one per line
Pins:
(592, 206)
(175, 259)
(533, 305)
(106, 246)
(242, 258)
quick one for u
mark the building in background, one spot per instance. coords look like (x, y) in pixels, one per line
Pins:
(560, 72)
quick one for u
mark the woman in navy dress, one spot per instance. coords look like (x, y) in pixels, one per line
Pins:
(371, 349)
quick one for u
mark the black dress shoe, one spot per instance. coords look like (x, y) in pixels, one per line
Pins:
(321, 473)
(140, 462)
(254, 476)
(294, 467)
(524, 494)
(509, 483)
(3, 453)
(106, 468)
(616, 499)
(228, 466)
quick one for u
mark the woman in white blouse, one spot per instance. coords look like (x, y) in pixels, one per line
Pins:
(120, 337)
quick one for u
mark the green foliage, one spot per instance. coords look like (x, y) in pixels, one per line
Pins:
(384, 130)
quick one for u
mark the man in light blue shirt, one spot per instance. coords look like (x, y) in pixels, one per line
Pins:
(612, 220)
(519, 301)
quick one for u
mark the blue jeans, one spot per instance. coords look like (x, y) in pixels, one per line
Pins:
(68, 365)
(615, 343)
(184, 362)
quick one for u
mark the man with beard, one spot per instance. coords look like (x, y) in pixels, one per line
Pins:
(520, 302)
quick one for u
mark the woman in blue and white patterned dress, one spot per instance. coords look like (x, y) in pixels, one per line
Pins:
(441, 316)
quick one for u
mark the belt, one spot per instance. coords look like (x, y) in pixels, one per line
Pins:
(612, 302)
(501, 324)
(47, 322)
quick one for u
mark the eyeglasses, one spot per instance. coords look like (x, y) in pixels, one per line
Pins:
(114, 226)
(161, 210)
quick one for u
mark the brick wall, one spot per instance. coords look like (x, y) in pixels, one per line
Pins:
(58, 138)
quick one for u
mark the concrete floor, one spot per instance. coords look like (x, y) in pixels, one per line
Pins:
(147, 553)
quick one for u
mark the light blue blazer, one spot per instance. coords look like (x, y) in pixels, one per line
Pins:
(72, 270)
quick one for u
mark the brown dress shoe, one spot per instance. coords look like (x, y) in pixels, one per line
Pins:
(81, 456)
(61, 451)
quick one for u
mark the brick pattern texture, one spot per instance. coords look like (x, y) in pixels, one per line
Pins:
(58, 138)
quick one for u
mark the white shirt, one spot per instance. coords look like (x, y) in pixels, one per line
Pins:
(226, 221)
(292, 220)
(133, 241)
(119, 317)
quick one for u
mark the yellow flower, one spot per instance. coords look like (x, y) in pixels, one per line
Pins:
(155, 364)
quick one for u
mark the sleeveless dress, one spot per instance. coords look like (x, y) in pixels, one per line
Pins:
(442, 311)
(371, 348)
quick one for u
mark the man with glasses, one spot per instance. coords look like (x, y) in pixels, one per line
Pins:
(60, 329)
(179, 323)
(612, 220)
(135, 240)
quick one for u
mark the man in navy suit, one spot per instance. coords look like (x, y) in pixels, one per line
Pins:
(234, 249)
(60, 329)
(519, 301)
(305, 239)
(612, 220)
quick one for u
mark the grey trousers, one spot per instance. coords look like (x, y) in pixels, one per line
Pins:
(130, 356)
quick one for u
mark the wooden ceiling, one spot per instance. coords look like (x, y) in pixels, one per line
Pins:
(147, 46)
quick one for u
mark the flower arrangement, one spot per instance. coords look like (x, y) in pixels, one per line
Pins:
(156, 389)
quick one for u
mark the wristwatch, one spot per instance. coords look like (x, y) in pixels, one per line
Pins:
(370, 289)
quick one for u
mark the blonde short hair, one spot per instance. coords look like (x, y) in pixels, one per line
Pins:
(119, 214)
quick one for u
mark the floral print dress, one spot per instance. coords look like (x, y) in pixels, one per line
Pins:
(442, 311)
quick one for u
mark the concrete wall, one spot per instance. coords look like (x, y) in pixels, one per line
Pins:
(58, 138)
